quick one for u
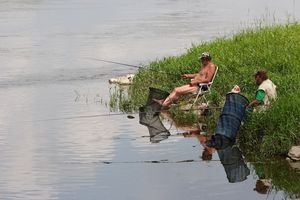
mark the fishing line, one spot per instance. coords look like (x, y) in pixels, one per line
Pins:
(129, 115)
(180, 134)
(119, 63)
(78, 117)
(166, 161)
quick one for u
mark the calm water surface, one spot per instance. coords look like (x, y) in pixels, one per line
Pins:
(56, 141)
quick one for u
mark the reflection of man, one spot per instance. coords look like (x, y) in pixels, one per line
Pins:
(262, 186)
(193, 131)
(207, 151)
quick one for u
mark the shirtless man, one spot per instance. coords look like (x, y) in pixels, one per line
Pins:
(205, 75)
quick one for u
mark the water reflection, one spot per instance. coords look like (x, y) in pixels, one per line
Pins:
(231, 158)
(229, 153)
(149, 116)
(223, 142)
(202, 139)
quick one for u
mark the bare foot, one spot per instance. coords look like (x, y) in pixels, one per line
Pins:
(160, 102)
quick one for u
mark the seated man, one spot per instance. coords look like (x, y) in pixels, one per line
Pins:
(205, 75)
(266, 91)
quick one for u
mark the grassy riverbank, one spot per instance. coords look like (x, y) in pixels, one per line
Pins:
(275, 49)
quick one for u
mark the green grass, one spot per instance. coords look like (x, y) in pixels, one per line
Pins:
(275, 130)
(275, 48)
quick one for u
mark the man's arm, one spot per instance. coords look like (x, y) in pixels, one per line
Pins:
(259, 99)
(204, 77)
(189, 75)
(254, 103)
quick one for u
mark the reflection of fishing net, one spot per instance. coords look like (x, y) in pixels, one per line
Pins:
(149, 116)
(233, 163)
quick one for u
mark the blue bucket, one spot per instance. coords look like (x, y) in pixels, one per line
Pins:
(233, 114)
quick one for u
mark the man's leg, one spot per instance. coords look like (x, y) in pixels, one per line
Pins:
(177, 92)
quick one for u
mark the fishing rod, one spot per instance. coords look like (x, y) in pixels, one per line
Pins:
(119, 63)
(134, 66)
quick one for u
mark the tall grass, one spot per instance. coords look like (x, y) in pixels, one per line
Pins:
(274, 130)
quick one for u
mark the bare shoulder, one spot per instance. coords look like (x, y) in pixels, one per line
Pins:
(212, 67)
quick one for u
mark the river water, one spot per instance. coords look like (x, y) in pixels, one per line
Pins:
(57, 140)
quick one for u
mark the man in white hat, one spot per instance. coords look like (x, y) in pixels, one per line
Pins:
(205, 75)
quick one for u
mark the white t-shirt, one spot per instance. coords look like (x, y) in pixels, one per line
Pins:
(270, 89)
